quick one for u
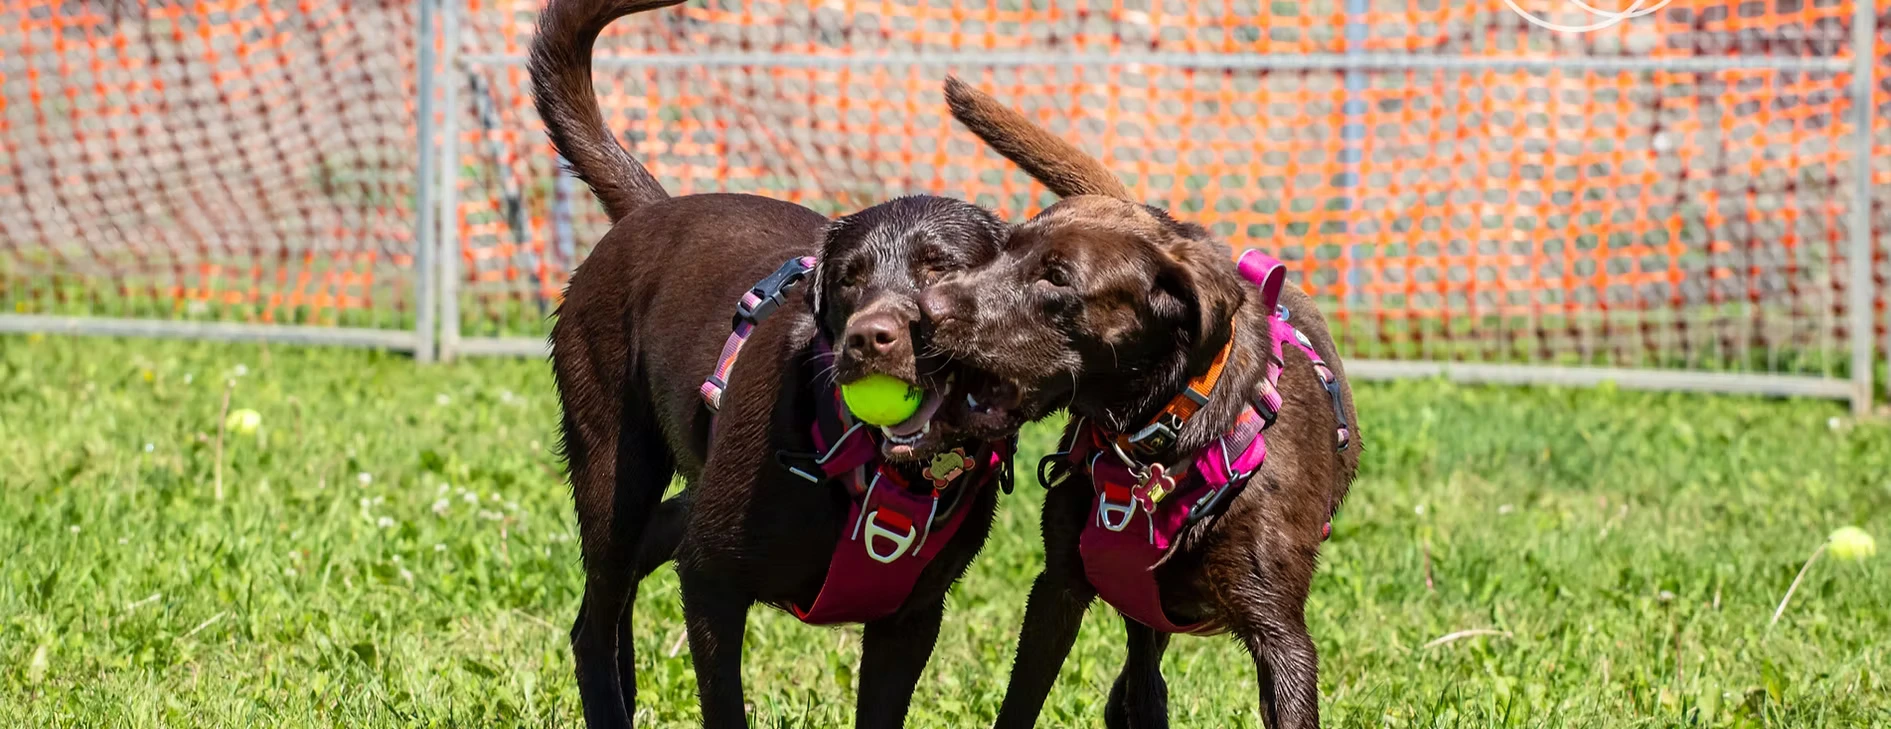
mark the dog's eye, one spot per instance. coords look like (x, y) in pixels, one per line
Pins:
(929, 273)
(1055, 276)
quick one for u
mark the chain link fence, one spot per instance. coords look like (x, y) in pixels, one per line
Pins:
(210, 169)
(1686, 200)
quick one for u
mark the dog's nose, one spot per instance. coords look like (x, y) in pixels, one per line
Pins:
(938, 305)
(875, 334)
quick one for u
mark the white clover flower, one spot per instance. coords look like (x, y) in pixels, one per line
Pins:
(440, 507)
(365, 478)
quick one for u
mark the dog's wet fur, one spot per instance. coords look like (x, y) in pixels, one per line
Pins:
(643, 322)
(1125, 304)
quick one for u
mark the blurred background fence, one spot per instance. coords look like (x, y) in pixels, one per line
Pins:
(1689, 200)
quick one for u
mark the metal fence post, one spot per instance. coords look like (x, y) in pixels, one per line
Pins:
(1864, 37)
(449, 241)
(1352, 132)
(426, 236)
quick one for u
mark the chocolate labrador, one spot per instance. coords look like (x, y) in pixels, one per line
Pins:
(1134, 308)
(642, 324)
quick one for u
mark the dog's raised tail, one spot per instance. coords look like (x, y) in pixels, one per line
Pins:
(1059, 165)
(566, 100)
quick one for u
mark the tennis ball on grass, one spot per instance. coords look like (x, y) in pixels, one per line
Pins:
(1851, 544)
(881, 399)
(243, 422)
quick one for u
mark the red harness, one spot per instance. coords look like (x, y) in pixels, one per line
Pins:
(894, 529)
(1139, 510)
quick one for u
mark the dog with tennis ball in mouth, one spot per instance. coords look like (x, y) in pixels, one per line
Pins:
(836, 466)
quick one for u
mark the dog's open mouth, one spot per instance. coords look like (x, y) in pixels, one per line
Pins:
(962, 403)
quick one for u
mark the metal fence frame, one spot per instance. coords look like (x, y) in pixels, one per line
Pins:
(436, 333)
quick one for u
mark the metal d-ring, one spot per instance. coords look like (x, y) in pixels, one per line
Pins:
(1140, 471)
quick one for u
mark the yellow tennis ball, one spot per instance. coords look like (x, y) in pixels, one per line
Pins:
(881, 399)
(1851, 544)
(243, 422)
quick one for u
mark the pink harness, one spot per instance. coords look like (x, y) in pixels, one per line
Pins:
(895, 529)
(1137, 511)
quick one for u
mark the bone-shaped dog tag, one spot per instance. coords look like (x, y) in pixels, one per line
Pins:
(1158, 485)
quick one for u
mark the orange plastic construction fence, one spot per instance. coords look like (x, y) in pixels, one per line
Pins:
(1674, 190)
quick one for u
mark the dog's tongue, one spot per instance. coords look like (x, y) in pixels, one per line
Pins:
(917, 422)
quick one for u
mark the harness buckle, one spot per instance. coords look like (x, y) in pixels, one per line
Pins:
(901, 540)
(1339, 411)
(1159, 435)
(1114, 516)
(1208, 504)
(771, 292)
(1053, 469)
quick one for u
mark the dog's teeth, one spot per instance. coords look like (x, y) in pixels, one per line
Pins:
(895, 439)
(971, 402)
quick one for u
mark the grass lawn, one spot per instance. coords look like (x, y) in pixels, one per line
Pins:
(395, 548)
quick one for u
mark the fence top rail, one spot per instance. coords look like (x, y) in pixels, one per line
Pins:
(1240, 61)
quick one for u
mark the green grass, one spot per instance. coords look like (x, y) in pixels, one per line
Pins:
(1632, 546)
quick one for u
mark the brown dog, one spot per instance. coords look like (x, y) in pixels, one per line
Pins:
(1130, 305)
(642, 324)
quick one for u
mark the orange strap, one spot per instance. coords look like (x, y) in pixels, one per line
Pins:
(1184, 405)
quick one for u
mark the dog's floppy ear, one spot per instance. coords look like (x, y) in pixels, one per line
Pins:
(813, 293)
(816, 279)
(1205, 284)
(1059, 165)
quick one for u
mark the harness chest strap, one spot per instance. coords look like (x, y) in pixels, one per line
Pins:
(893, 531)
(1138, 515)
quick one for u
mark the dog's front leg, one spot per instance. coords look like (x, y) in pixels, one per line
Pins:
(1140, 698)
(716, 618)
(1264, 603)
(1054, 613)
(1288, 669)
(893, 654)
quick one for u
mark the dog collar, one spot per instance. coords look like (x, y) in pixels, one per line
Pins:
(1165, 428)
